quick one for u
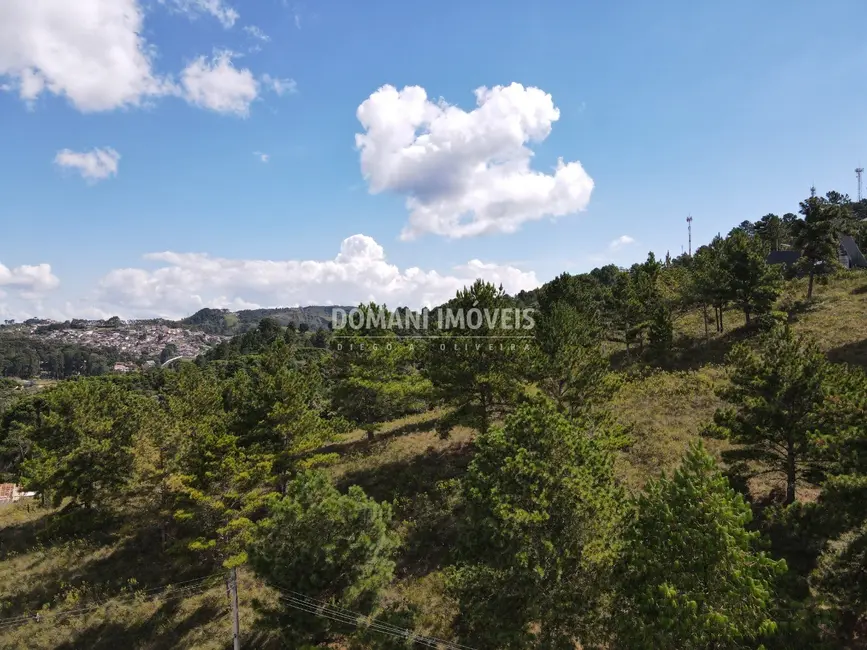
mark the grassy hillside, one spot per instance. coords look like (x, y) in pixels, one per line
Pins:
(220, 321)
(46, 564)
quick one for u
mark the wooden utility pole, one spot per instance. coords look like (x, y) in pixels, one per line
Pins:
(233, 597)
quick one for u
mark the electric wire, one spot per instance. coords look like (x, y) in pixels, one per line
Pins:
(192, 587)
(316, 607)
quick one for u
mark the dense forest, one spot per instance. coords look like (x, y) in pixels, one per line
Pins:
(675, 458)
(27, 356)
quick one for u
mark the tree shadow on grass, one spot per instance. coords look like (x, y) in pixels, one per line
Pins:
(859, 291)
(160, 631)
(138, 557)
(427, 505)
(688, 352)
(358, 446)
(691, 353)
(58, 527)
(405, 478)
(852, 353)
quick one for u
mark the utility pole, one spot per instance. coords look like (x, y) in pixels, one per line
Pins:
(233, 597)
(689, 227)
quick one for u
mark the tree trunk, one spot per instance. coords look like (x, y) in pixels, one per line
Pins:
(790, 473)
(370, 435)
(706, 333)
(484, 412)
(810, 285)
(747, 314)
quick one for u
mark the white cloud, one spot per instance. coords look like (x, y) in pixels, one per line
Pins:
(216, 8)
(186, 282)
(94, 165)
(466, 173)
(219, 86)
(89, 51)
(620, 242)
(257, 33)
(28, 279)
(279, 86)
(264, 157)
(92, 53)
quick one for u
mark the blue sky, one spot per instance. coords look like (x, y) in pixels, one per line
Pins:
(726, 111)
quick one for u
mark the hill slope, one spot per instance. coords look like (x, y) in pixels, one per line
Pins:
(223, 321)
(45, 563)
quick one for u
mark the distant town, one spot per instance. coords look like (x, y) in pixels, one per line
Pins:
(137, 344)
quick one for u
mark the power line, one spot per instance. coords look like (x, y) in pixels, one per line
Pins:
(342, 615)
(81, 611)
(204, 584)
(194, 587)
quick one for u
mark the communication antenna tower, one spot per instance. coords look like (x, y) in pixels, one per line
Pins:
(689, 228)
(858, 172)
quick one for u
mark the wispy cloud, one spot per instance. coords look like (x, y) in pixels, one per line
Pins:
(257, 33)
(216, 8)
(279, 86)
(296, 12)
(96, 165)
(264, 157)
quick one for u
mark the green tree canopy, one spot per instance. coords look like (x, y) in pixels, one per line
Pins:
(544, 510)
(775, 393)
(375, 378)
(753, 284)
(691, 575)
(321, 544)
(82, 441)
(817, 235)
(478, 366)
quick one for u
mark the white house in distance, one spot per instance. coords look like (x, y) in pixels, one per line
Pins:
(10, 493)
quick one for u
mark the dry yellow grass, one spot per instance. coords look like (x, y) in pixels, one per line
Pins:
(666, 411)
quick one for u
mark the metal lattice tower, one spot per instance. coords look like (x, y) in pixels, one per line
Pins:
(858, 172)
(689, 228)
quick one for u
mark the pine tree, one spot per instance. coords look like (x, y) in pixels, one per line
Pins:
(817, 236)
(331, 547)
(479, 371)
(543, 513)
(193, 477)
(709, 284)
(82, 441)
(771, 231)
(375, 376)
(277, 407)
(753, 283)
(691, 576)
(572, 367)
(775, 394)
(841, 511)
